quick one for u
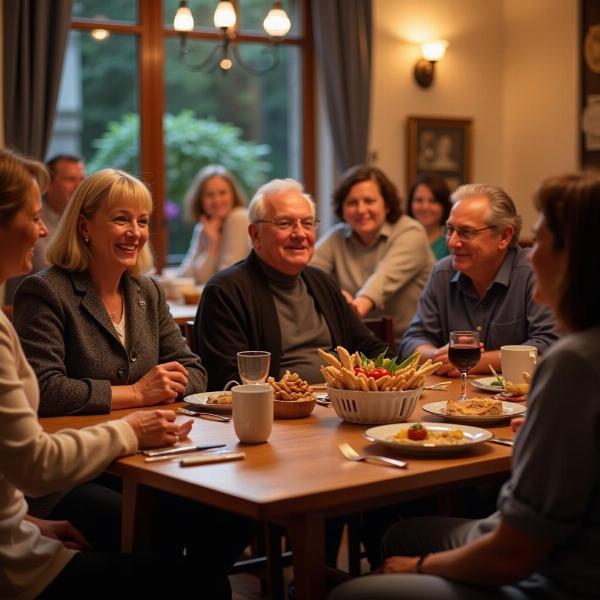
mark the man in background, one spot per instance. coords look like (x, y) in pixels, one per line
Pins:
(66, 173)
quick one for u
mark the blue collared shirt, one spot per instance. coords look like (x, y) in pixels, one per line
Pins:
(506, 314)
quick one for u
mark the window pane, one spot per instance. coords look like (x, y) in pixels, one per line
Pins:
(117, 10)
(250, 124)
(251, 14)
(97, 113)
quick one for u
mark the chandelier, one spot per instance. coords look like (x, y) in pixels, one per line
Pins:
(276, 24)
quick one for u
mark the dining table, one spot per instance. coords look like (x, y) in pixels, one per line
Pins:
(299, 478)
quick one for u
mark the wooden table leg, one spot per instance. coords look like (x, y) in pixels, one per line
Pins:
(136, 515)
(307, 532)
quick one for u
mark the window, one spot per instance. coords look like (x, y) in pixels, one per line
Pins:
(128, 101)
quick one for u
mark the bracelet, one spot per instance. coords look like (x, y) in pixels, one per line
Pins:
(419, 565)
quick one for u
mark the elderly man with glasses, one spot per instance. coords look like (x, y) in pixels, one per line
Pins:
(272, 300)
(485, 284)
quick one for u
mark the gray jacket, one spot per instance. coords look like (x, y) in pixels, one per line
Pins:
(74, 349)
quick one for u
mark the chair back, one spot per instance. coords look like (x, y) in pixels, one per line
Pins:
(188, 334)
(383, 328)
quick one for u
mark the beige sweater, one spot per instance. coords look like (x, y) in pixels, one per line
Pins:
(35, 463)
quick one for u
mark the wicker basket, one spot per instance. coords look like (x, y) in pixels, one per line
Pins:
(371, 408)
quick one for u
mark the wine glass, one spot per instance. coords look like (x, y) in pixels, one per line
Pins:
(253, 365)
(464, 353)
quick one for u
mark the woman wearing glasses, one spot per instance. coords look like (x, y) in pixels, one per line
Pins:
(544, 541)
(215, 204)
(379, 257)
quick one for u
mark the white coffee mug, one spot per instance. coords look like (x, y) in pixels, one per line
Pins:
(252, 412)
(515, 360)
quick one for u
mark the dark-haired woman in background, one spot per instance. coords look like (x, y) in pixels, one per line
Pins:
(429, 203)
(544, 541)
(380, 258)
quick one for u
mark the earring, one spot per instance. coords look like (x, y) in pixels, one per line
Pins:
(86, 239)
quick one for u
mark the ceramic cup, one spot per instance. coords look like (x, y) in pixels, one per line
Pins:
(252, 412)
(515, 360)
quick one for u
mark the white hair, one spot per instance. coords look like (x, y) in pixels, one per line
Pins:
(276, 187)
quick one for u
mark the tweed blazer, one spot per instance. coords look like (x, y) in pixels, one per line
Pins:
(70, 341)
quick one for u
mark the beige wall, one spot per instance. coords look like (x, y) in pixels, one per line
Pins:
(511, 66)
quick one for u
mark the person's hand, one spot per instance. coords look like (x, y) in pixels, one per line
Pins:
(156, 428)
(212, 228)
(516, 423)
(63, 531)
(441, 355)
(362, 305)
(348, 296)
(400, 564)
(161, 384)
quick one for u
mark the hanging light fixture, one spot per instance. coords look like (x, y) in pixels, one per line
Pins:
(276, 24)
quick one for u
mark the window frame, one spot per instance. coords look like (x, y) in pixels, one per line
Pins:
(151, 34)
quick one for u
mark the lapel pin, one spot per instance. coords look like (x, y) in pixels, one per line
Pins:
(142, 303)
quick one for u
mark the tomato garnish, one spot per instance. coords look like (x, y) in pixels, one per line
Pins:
(417, 432)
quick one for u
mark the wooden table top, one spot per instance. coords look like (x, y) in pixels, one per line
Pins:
(301, 467)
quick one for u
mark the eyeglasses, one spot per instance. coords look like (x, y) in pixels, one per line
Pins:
(290, 224)
(465, 234)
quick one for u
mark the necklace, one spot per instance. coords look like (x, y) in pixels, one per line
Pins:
(114, 314)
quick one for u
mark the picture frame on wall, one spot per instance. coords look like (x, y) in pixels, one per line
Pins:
(439, 145)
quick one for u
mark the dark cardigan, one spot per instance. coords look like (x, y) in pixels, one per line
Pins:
(237, 312)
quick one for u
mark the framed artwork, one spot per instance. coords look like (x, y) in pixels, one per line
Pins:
(440, 146)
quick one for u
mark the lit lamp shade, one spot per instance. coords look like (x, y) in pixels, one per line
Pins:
(225, 15)
(277, 23)
(434, 50)
(424, 69)
(184, 21)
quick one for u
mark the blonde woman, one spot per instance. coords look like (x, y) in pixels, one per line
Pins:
(215, 204)
(98, 333)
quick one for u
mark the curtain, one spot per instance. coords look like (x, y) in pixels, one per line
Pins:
(34, 40)
(343, 40)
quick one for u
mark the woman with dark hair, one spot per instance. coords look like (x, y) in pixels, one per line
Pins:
(40, 558)
(380, 258)
(429, 203)
(216, 204)
(544, 541)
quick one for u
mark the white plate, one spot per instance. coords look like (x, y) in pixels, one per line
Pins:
(383, 434)
(509, 410)
(485, 383)
(202, 400)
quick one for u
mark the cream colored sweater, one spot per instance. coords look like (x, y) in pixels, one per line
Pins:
(36, 463)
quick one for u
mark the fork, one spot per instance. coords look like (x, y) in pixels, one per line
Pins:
(351, 454)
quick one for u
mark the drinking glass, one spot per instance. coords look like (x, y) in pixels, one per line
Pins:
(464, 353)
(253, 365)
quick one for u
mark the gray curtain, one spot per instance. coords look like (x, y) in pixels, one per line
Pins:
(34, 37)
(343, 40)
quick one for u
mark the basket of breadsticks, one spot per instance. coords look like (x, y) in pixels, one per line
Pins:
(374, 391)
(293, 398)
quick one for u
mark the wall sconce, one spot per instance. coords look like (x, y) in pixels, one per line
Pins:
(276, 24)
(432, 52)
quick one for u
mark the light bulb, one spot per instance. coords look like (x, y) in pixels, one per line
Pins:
(277, 23)
(225, 15)
(434, 50)
(184, 20)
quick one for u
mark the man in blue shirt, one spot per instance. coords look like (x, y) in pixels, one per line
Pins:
(485, 285)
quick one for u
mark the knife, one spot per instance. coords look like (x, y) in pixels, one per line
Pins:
(179, 450)
(211, 458)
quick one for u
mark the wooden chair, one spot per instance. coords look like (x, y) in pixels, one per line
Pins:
(383, 328)
(188, 334)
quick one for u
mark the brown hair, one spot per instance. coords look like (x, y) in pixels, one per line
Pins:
(361, 173)
(440, 190)
(193, 197)
(17, 172)
(570, 205)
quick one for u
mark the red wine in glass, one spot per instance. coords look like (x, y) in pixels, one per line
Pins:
(464, 352)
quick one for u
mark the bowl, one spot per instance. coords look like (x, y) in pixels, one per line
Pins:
(192, 296)
(293, 409)
(373, 408)
(175, 288)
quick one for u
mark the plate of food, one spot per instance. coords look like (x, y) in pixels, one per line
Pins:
(212, 401)
(488, 384)
(475, 410)
(429, 438)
